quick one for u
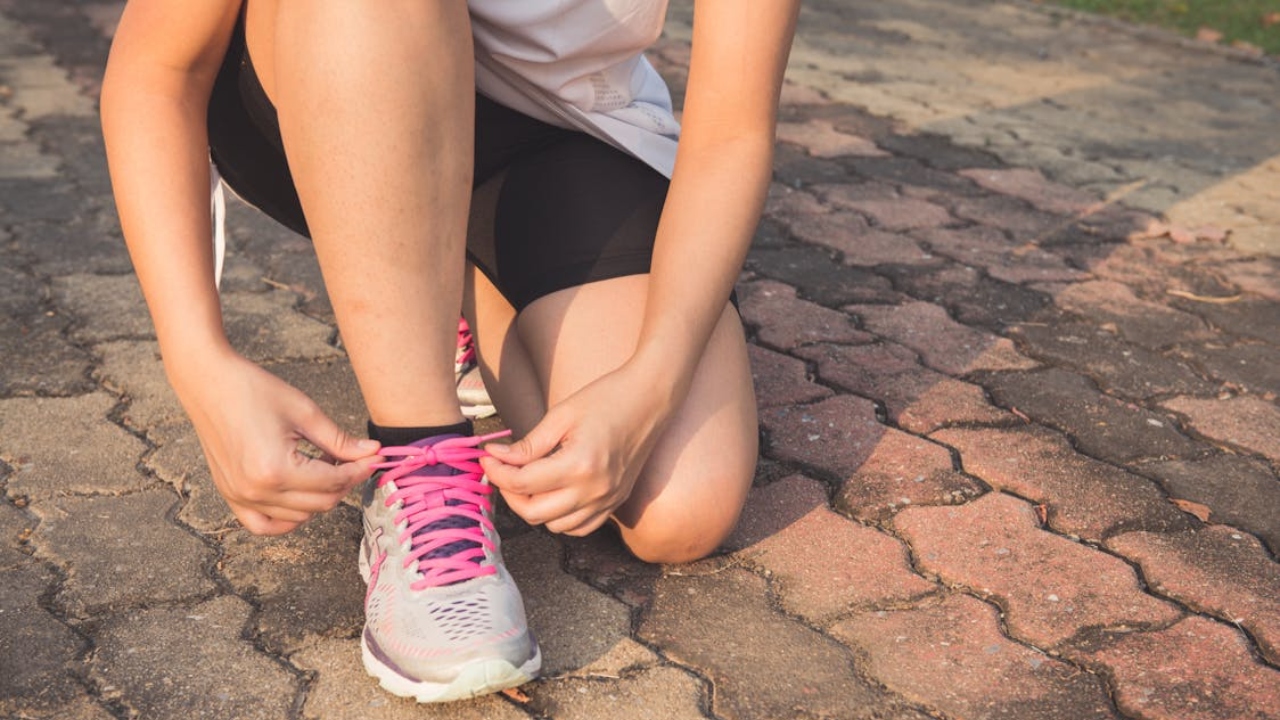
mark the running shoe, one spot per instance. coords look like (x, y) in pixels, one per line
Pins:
(443, 618)
(472, 395)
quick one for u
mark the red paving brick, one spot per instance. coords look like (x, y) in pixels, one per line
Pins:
(1197, 669)
(1217, 570)
(950, 402)
(903, 470)
(893, 213)
(822, 140)
(1083, 497)
(860, 244)
(787, 322)
(1033, 187)
(1051, 588)
(821, 564)
(951, 657)
(945, 344)
(991, 249)
(1245, 422)
(781, 380)
(1140, 321)
(837, 434)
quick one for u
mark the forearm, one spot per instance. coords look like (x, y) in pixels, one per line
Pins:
(713, 206)
(157, 151)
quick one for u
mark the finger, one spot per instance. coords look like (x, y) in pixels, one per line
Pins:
(536, 478)
(316, 427)
(315, 475)
(262, 524)
(545, 437)
(544, 508)
(583, 522)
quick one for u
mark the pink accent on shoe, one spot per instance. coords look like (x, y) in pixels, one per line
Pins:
(466, 344)
(428, 499)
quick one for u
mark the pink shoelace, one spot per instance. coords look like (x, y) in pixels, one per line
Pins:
(442, 510)
(466, 344)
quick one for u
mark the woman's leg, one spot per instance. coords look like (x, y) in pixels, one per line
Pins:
(376, 105)
(689, 494)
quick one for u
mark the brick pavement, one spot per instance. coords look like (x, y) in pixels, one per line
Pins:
(1014, 312)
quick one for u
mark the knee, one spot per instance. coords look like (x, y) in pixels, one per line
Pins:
(674, 540)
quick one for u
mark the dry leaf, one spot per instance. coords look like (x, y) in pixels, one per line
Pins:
(1271, 18)
(517, 695)
(1042, 512)
(1207, 34)
(1181, 235)
(1192, 508)
(1248, 47)
(1216, 300)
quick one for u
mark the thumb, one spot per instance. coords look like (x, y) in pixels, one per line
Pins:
(335, 442)
(539, 442)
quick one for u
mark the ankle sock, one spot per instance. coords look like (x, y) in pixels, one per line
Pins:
(394, 436)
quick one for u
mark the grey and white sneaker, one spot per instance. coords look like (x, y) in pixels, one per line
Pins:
(443, 618)
(472, 395)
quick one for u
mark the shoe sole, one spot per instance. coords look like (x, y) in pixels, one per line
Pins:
(478, 412)
(480, 677)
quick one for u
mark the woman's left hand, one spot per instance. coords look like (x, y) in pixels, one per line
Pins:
(582, 460)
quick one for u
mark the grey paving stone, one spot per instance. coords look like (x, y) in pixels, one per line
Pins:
(1252, 367)
(660, 693)
(575, 623)
(60, 446)
(78, 708)
(783, 321)
(943, 344)
(781, 380)
(1101, 426)
(15, 530)
(213, 673)
(1139, 321)
(342, 690)
(37, 653)
(1121, 368)
(38, 358)
(779, 669)
(120, 552)
(31, 206)
(1239, 491)
(180, 462)
(133, 369)
(267, 326)
(970, 295)
(105, 307)
(305, 584)
(332, 384)
(820, 278)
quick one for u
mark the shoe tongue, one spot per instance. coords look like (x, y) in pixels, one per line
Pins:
(437, 499)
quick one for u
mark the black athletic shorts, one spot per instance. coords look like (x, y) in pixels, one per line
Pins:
(551, 208)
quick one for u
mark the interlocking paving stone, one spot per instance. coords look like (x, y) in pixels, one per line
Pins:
(950, 656)
(1033, 187)
(38, 359)
(944, 344)
(1022, 222)
(1101, 426)
(265, 326)
(15, 530)
(575, 623)
(120, 552)
(991, 249)
(857, 242)
(60, 446)
(133, 369)
(949, 402)
(786, 322)
(1140, 321)
(1252, 367)
(861, 566)
(105, 307)
(1239, 491)
(897, 213)
(1083, 497)
(779, 669)
(794, 166)
(79, 708)
(822, 140)
(1197, 669)
(212, 673)
(342, 690)
(1050, 587)
(180, 462)
(36, 651)
(1216, 570)
(782, 380)
(1123, 368)
(305, 585)
(659, 693)
(1250, 317)
(1245, 421)
(970, 295)
(1256, 275)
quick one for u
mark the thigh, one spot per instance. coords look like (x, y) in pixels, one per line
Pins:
(691, 489)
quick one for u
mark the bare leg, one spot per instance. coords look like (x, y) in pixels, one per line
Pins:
(376, 107)
(692, 488)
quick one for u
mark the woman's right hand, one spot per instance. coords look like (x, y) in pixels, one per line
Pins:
(250, 424)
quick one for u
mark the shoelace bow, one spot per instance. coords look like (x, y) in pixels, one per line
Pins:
(441, 501)
(466, 344)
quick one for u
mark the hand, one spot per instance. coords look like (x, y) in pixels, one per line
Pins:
(582, 460)
(250, 424)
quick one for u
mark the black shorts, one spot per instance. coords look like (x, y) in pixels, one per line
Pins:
(551, 208)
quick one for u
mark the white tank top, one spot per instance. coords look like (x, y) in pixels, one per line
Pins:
(580, 64)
